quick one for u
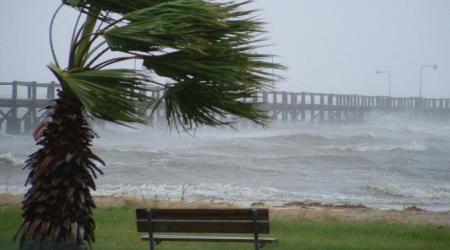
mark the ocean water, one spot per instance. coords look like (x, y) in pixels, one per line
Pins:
(386, 162)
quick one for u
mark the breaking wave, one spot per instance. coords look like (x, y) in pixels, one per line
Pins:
(195, 192)
(429, 193)
(8, 160)
(202, 191)
(410, 147)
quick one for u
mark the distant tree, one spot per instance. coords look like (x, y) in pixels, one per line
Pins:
(205, 51)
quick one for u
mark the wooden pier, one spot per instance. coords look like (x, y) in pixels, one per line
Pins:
(337, 108)
(21, 105)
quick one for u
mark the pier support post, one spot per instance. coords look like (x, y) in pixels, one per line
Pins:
(303, 107)
(284, 109)
(12, 121)
(322, 108)
(312, 110)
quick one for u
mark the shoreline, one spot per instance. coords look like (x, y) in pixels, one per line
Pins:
(313, 211)
(181, 192)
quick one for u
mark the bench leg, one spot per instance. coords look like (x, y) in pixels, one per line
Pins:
(152, 243)
(255, 228)
(150, 229)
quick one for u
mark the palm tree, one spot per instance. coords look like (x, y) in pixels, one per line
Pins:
(202, 53)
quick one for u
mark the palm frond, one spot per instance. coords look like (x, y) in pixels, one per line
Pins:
(117, 6)
(206, 49)
(191, 103)
(181, 25)
(218, 63)
(114, 95)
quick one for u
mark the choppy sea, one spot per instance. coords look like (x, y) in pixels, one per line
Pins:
(385, 162)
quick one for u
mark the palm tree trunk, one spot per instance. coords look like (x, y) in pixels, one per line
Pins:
(57, 208)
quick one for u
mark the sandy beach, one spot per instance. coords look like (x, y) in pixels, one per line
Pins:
(305, 210)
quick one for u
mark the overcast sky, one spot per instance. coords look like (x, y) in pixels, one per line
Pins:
(331, 46)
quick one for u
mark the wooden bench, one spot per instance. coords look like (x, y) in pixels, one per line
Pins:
(204, 221)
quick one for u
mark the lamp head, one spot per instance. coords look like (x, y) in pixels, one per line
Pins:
(435, 67)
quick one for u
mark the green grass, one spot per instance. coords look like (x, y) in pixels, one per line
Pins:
(116, 230)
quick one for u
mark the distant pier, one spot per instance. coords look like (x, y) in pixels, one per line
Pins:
(22, 103)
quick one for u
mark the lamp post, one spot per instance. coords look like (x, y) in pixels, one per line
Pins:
(434, 66)
(389, 78)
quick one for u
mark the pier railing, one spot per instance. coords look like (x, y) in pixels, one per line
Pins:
(21, 105)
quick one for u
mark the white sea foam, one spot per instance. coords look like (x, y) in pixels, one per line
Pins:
(14, 190)
(9, 160)
(429, 192)
(410, 147)
(192, 192)
(381, 196)
(370, 135)
(174, 192)
(131, 150)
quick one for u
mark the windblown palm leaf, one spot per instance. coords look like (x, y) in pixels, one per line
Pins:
(117, 6)
(218, 63)
(110, 94)
(193, 102)
(181, 40)
(183, 24)
(204, 50)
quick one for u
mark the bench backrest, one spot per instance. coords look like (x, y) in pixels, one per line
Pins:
(203, 220)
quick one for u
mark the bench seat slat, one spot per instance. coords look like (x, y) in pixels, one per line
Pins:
(202, 214)
(206, 238)
(205, 226)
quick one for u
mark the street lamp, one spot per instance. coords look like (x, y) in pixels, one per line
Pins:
(434, 66)
(389, 78)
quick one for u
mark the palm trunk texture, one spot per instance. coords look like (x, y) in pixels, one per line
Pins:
(57, 208)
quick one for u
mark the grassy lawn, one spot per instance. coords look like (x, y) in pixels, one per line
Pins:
(116, 230)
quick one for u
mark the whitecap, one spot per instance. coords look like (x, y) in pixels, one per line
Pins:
(9, 160)
(410, 147)
(425, 193)
(194, 192)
